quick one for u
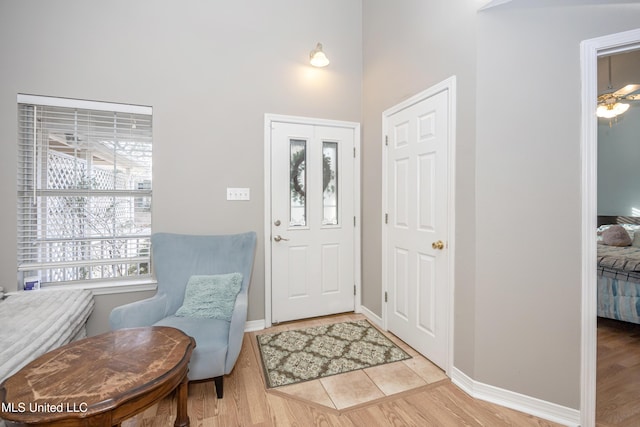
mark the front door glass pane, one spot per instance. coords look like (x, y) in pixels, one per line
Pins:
(298, 182)
(330, 183)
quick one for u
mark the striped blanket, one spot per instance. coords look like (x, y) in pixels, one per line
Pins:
(625, 258)
(35, 322)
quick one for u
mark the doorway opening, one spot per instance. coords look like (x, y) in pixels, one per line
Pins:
(591, 50)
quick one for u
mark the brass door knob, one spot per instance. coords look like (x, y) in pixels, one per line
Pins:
(438, 245)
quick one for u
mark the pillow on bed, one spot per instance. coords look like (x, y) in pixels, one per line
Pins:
(632, 229)
(616, 235)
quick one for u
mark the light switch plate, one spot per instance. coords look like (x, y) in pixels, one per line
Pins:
(238, 194)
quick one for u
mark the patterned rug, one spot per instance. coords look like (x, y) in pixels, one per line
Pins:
(290, 357)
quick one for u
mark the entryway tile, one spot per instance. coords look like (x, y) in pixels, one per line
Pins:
(425, 369)
(344, 391)
(394, 378)
(350, 389)
(312, 391)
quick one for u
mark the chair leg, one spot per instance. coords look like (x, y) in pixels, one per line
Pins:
(218, 382)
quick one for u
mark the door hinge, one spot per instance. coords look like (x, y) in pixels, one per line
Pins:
(354, 221)
(354, 152)
(386, 296)
(386, 140)
(386, 218)
(354, 289)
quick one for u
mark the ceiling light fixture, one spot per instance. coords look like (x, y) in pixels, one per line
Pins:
(608, 105)
(317, 58)
(609, 110)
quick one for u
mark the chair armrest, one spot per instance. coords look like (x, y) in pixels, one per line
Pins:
(145, 312)
(236, 331)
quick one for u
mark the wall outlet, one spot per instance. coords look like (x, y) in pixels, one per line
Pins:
(238, 194)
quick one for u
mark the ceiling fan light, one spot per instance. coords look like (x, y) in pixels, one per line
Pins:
(608, 107)
(609, 111)
(620, 108)
(604, 112)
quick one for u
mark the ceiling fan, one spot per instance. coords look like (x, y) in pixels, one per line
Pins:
(609, 105)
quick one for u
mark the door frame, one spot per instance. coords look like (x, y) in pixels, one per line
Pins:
(590, 50)
(448, 85)
(269, 119)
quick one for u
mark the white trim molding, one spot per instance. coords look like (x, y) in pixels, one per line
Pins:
(590, 50)
(375, 319)
(81, 103)
(103, 288)
(520, 402)
(254, 325)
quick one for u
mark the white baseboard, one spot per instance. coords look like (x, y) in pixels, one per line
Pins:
(377, 320)
(254, 325)
(519, 402)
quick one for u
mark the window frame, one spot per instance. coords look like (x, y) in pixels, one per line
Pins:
(100, 285)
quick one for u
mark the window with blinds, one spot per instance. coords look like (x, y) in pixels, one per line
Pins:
(84, 190)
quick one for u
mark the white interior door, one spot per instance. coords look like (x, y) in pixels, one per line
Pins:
(417, 226)
(312, 220)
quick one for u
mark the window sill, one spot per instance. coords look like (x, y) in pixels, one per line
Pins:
(106, 288)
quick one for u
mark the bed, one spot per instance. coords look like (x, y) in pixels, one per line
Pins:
(619, 272)
(35, 322)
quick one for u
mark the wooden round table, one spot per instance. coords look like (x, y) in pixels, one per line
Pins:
(101, 380)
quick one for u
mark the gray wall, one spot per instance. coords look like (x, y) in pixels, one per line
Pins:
(528, 168)
(99, 320)
(209, 69)
(517, 274)
(408, 47)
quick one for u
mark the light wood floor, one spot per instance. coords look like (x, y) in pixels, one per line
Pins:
(246, 403)
(618, 376)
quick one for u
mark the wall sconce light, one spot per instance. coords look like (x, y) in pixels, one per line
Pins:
(317, 58)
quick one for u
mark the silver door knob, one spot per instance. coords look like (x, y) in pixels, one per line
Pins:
(277, 238)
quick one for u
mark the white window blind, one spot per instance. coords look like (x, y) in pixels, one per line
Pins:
(84, 190)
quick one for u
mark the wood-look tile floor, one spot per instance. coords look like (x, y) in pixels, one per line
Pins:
(618, 374)
(329, 402)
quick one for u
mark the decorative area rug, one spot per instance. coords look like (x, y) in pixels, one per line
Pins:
(289, 357)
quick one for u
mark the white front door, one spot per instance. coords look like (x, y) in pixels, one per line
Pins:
(417, 225)
(312, 220)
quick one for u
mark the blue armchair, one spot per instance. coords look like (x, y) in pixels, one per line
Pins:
(176, 257)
